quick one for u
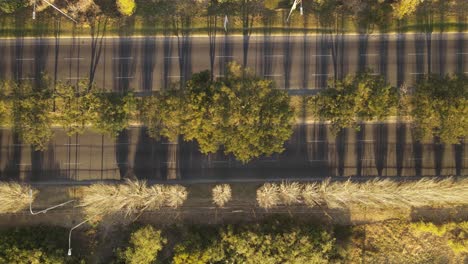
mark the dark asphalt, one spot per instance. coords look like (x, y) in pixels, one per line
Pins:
(384, 149)
(300, 63)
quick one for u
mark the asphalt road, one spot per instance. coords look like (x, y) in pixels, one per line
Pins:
(384, 149)
(300, 63)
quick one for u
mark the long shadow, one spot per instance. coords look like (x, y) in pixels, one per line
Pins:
(380, 147)
(419, 47)
(317, 151)
(340, 147)
(305, 56)
(148, 58)
(360, 148)
(287, 57)
(438, 157)
(167, 50)
(459, 150)
(362, 51)
(184, 44)
(400, 147)
(401, 64)
(226, 54)
(12, 169)
(322, 61)
(97, 30)
(383, 54)
(121, 152)
(417, 156)
(460, 50)
(267, 50)
(123, 61)
(147, 157)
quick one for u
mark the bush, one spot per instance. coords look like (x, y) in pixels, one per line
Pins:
(133, 197)
(221, 194)
(34, 245)
(268, 195)
(275, 242)
(145, 244)
(14, 197)
(126, 7)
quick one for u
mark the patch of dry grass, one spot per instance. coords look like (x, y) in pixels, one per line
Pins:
(14, 197)
(133, 197)
(387, 193)
(372, 194)
(268, 195)
(290, 193)
(221, 194)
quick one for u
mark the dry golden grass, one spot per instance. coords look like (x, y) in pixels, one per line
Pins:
(14, 197)
(387, 193)
(290, 193)
(221, 194)
(175, 195)
(268, 195)
(130, 198)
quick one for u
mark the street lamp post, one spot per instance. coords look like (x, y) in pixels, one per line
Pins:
(47, 209)
(56, 8)
(70, 233)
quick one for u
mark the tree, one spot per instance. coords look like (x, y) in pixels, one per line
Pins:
(275, 242)
(362, 97)
(113, 112)
(145, 244)
(204, 113)
(126, 7)
(34, 245)
(10, 6)
(402, 8)
(32, 118)
(439, 107)
(252, 117)
(75, 107)
(163, 114)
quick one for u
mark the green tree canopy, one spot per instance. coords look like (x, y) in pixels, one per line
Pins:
(242, 113)
(31, 112)
(362, 97)
(113, 112)
(163, 114)
(10, 6)
(75, 107)
(439, 107)
(34, 245)
(126, 7)
(267, 243)
(145, 244)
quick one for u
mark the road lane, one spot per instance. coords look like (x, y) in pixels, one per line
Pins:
(379, 149)
(293, 62)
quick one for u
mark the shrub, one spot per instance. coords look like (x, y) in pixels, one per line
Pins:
(221, 194)
(290, 193)
(268, 195)
(175, 195)
(133, 197)
(14, 197)
(145, 244)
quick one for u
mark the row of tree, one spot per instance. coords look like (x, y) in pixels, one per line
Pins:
(240, 113)
(370, 9)
(437, 105)
(275, 240)
(287, 241)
